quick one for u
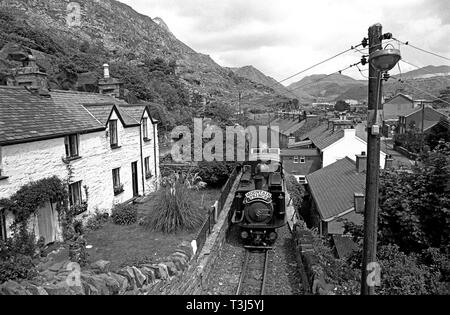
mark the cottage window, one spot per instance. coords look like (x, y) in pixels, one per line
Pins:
(148, 171)
(75, 197)
(118, 187)
(2, 225)
(302, 179)
(145, 128)
(114, 139)
(302, 160)
(296, 159)
(71, 144)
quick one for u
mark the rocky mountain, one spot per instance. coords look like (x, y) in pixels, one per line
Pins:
(71, 41)
(253, 74)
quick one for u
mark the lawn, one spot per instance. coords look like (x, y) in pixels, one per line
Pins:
(128, 245)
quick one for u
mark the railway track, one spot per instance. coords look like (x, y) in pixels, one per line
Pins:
(254, 272)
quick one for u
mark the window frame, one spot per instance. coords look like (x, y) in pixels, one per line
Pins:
(296, 159)
(68, 142)
(3, 232)
(71, 193)
(148, 171)
(302, 180)
(113, 133)
(117, 185)
(302, 159)
(145, 128)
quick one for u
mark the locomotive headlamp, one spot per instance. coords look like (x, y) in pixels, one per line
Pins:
(273, 236)
(385, 59)
(244, 235)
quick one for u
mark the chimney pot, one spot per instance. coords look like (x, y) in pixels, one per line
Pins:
(359, 200)
(361, 162)
(106, 71)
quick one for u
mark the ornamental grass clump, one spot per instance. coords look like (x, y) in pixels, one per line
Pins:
(174, 210)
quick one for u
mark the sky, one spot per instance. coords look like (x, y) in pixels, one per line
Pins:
(283, 37)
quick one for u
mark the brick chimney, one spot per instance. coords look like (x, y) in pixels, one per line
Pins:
(359, 202)
(361, 162)
(30, 76)
(109, 85)
(291, 140)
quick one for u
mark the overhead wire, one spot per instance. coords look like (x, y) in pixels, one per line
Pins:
(421, 49)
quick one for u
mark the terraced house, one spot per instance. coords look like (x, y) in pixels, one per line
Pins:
(106, 148)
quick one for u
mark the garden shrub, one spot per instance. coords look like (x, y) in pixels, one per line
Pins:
(17, 267)
(17, 254)
(124, 214)
(215, 174)
(97, 221)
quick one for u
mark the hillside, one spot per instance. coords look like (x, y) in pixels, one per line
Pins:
(428, 72)
(153, 64)
(417, 83)
(253, 74)
(319, 86)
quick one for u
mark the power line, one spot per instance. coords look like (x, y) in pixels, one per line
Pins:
(421, 49)
(420, 90)
(315, 65)
(319, 63)
(329, 75)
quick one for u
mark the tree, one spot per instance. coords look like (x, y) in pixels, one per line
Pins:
(342, 106)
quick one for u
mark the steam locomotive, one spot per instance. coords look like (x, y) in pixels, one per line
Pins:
(259, 205)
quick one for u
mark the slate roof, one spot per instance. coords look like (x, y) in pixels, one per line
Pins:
(287, 126)
(322, 137)
(334, 186)
(26, 117)
(303, 169)
(299, 152)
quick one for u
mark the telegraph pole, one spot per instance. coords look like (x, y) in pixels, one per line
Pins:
(373, 167)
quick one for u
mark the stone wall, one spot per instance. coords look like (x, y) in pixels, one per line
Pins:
(313, 277)
(63, 279)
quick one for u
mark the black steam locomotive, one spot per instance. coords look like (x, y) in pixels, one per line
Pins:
(260, 206)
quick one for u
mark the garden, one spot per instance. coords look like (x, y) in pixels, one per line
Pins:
(144, 232)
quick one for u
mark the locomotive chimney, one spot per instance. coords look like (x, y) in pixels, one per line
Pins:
(259, 182)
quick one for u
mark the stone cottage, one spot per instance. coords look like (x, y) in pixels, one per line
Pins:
(109, 146)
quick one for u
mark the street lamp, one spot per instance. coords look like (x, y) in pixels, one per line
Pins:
(385, 59)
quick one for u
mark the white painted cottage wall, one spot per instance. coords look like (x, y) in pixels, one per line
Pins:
(148, 150)
(33, 161)
(350, 146)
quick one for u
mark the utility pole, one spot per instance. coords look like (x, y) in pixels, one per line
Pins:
(239, 102)
(373, 167)
(423, 121)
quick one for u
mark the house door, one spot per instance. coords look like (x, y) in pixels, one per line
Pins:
(46, 223)
(134, 174)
